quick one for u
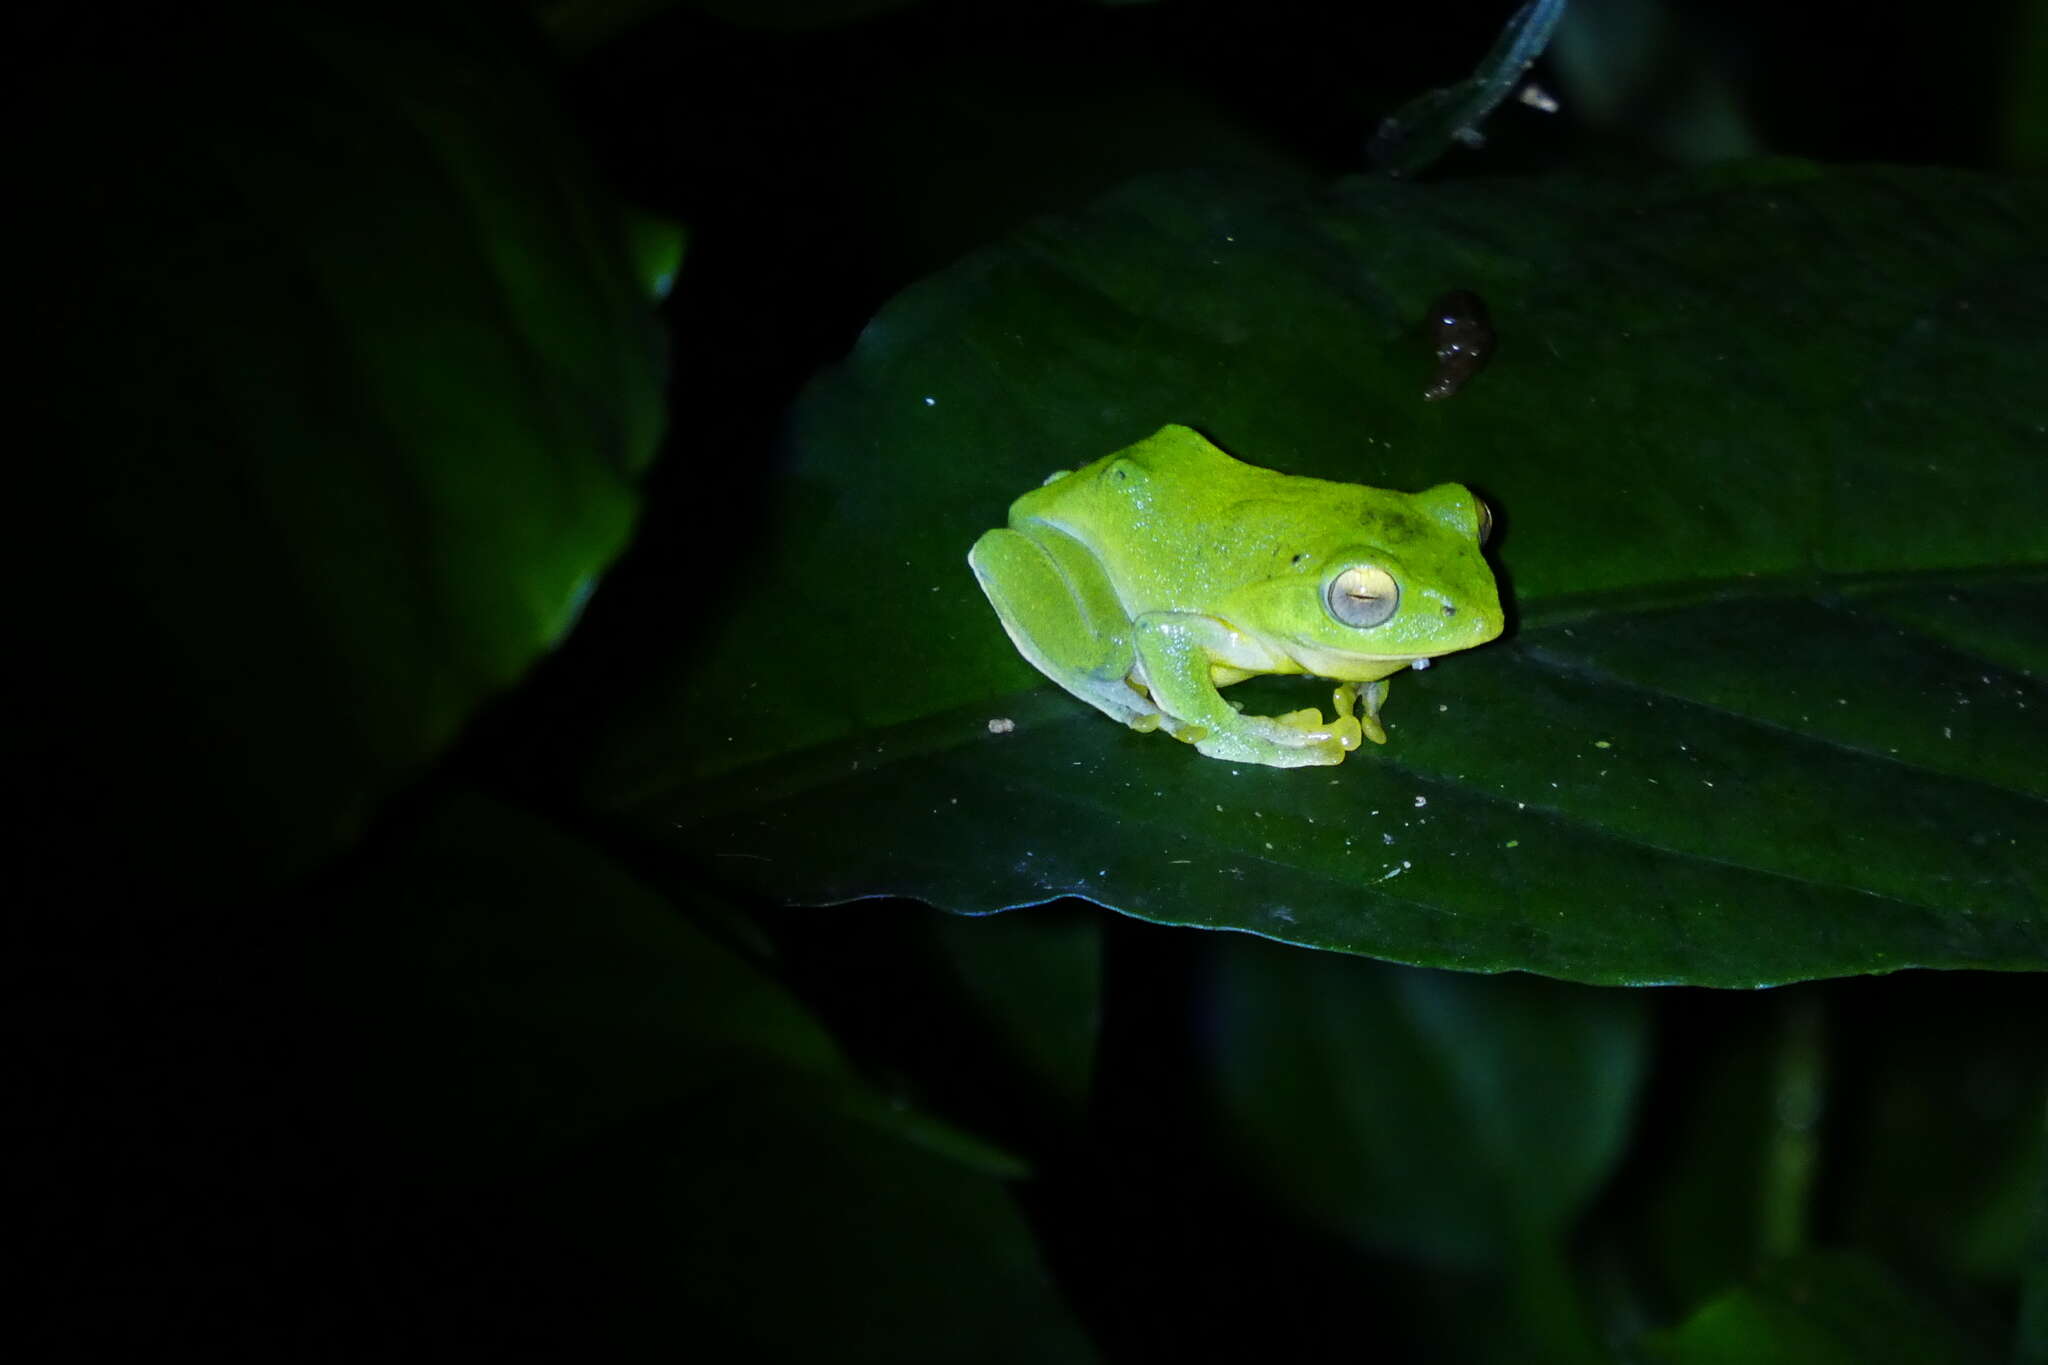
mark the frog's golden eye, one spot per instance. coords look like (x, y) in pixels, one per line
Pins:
(1485, 521)
(1363, 595)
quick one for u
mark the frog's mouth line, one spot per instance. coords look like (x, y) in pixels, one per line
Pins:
(1410, 657)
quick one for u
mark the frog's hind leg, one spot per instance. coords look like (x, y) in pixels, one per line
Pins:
(1064, 617)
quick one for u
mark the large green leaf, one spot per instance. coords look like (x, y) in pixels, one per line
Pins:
(1766, 444)
(351, 382)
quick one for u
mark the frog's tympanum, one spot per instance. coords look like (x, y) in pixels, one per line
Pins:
(1147, 580)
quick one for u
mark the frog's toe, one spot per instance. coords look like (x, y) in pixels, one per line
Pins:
(1240, 746)
(1307, 727)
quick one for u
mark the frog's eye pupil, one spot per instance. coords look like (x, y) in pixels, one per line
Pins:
(1364, 595)
(1485, 521)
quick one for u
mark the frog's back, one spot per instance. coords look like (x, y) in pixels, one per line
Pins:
(1173, 519)
(1175, 470)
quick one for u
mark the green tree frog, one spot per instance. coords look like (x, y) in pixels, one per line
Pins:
(1145, 581)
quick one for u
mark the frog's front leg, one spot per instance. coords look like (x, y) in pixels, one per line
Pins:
(1175, 651)
(1064, 617)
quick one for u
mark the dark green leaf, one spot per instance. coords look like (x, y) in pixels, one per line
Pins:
(1766, 444)
(527, 1019)
(352, 384)
(1834, 1309)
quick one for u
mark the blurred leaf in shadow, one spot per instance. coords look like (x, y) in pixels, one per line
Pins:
(1444, 1116)
(1943, 1125)
(1448, 1120)
(1039, 981)
(1826, 1309)
(348, 383)
(1655, 73)
(529, 1020)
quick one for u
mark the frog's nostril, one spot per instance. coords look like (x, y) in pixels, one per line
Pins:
(1450, 610)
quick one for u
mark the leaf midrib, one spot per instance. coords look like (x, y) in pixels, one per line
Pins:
(1568, 608)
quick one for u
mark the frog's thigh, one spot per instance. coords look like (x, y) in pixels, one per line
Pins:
(1064, 617)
